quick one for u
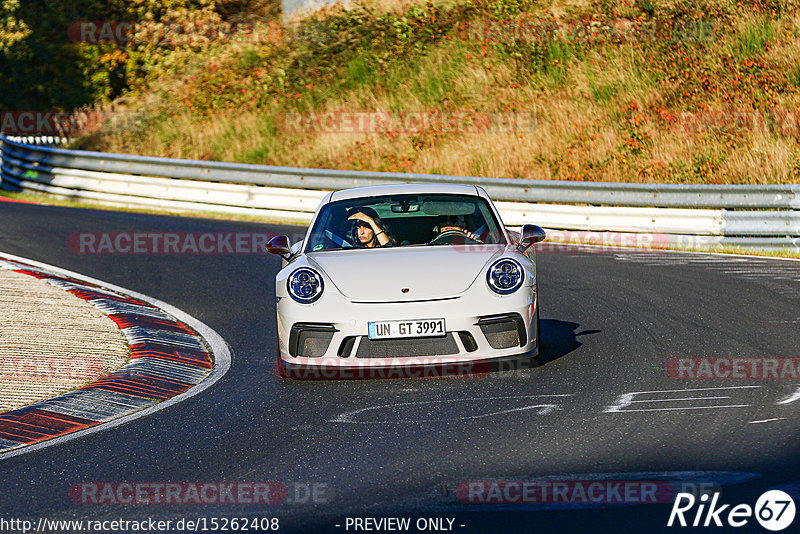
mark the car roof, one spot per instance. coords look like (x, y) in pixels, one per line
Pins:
(400, 189)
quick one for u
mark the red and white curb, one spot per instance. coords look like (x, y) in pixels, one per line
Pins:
(173, 357)
(6, 199)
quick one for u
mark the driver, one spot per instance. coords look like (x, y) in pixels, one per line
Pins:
(369, 231)
(450, 223)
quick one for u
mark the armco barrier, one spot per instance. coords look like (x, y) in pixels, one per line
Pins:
(758, 216)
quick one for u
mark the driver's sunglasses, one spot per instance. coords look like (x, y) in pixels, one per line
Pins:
(363, 224)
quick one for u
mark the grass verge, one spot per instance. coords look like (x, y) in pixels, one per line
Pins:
(675, 91)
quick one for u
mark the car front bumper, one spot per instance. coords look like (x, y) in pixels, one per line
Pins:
(343, 349)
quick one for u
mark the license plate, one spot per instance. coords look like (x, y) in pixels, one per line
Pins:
(408, 328)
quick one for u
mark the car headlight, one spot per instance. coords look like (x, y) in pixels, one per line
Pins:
(505, 276)
(305, 285)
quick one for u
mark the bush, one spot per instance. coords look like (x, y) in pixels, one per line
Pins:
(52, 72)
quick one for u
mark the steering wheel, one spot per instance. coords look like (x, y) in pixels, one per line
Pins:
(449, 236)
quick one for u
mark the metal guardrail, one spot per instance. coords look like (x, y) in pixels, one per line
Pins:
(510, 189)
(765, 216)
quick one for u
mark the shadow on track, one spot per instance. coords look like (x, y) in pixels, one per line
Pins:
(559, 338)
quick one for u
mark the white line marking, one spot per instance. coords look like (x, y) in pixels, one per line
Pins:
(219, 348)
(685, 408)
(683, 399)
(695, 389)
(544, 409)
(626, 399)
(766, 420)
(791, 398)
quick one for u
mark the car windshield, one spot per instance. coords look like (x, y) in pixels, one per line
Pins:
(405, 220)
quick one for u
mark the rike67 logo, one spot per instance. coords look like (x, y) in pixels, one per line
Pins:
(774, 510)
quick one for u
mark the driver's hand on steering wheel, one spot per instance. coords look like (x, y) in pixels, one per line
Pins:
(469, 234)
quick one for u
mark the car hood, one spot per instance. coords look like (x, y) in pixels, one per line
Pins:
(429, 272)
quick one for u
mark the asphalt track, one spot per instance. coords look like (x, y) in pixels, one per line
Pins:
(611, 321)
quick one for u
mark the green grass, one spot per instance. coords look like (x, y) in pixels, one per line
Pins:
(602, 93)
(359, 72)
(794, 75)
(754, 40)
(648, 7)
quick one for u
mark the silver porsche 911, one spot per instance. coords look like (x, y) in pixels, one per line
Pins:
(398, 280)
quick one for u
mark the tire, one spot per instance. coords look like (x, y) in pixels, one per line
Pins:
(280, 368)
(538, 328)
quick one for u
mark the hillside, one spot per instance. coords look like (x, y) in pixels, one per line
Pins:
(686, 91)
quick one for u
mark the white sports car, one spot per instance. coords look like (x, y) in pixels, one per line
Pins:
(403, 281)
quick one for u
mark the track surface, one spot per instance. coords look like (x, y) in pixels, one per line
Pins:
(610, 320)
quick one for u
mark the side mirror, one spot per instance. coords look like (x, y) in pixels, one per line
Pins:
(280, 245)
(530, 234)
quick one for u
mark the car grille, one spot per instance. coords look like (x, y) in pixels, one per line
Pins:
(407, 348)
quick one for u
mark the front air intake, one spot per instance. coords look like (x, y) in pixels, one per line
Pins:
(310, 340)
(503, 331)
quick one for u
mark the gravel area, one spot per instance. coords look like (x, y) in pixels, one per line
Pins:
(51, 341)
